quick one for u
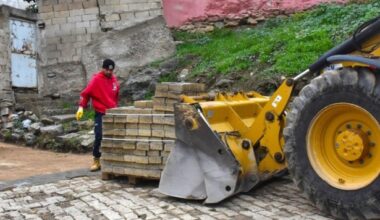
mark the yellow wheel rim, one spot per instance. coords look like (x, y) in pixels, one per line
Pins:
(343, 143)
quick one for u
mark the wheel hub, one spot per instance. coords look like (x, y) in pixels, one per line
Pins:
(342, 146)
(351, 145)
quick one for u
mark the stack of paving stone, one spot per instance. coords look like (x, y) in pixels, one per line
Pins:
(137, 140)
(167, 94)
(144, 104)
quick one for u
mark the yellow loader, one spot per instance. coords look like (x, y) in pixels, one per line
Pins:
(328, 137)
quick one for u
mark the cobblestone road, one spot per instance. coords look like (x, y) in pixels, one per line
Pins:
(91, 198)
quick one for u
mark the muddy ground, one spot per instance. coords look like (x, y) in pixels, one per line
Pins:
(18, 162)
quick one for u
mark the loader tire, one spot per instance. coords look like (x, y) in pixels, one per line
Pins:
(332, 143)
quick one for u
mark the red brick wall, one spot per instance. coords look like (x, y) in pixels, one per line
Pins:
(177, 12)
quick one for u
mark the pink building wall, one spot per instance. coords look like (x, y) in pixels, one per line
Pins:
(178, 12)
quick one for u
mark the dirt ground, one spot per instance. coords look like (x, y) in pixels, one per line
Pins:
(18, 162)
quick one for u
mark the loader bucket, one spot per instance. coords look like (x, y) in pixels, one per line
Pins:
(201, 166)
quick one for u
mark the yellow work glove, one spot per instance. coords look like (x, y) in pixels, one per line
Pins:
(79, 113)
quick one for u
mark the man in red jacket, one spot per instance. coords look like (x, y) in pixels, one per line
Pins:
(103, 89)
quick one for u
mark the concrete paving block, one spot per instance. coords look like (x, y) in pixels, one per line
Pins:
(108, 119)
(158, 133)
(132, 132)
(144, 126)
(144, 146)
(155, 160)
(145, 132)
(156, 145)
(155, 153)
(136, 159)
(124, 144)
(140, 152)
(132, 118)
(145, 119)
(120, 119)
(119, 132)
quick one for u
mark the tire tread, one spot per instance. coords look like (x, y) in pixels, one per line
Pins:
(361, 78)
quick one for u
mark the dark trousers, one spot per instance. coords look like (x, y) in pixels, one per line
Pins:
(98, 130)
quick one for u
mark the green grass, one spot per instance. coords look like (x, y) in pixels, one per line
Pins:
(149, 95)
(171, 77)
(88, 114)
(66, 105)
(279, 46)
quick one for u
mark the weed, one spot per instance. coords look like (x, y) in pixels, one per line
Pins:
(6, 135)
(88, 114)
(66, 105)
(149, 95)
(286, 46)
(170, 77)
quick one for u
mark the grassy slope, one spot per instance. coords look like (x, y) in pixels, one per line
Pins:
(279, 46)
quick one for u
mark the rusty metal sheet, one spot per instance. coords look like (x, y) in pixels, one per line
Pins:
(23, 48)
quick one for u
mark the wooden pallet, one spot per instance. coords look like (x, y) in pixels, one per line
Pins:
(134, 180)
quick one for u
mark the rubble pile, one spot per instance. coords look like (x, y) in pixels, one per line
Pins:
(60, 133)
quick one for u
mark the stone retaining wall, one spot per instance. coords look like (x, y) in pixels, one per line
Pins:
(70, 25)
(71, 36)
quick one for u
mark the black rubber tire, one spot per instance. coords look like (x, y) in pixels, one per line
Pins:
(357, 86)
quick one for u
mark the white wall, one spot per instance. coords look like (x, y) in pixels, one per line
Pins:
(15, 3)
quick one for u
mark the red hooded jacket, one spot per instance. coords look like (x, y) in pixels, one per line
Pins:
(103, 91)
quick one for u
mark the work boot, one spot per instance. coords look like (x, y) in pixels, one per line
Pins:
(95, 165)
